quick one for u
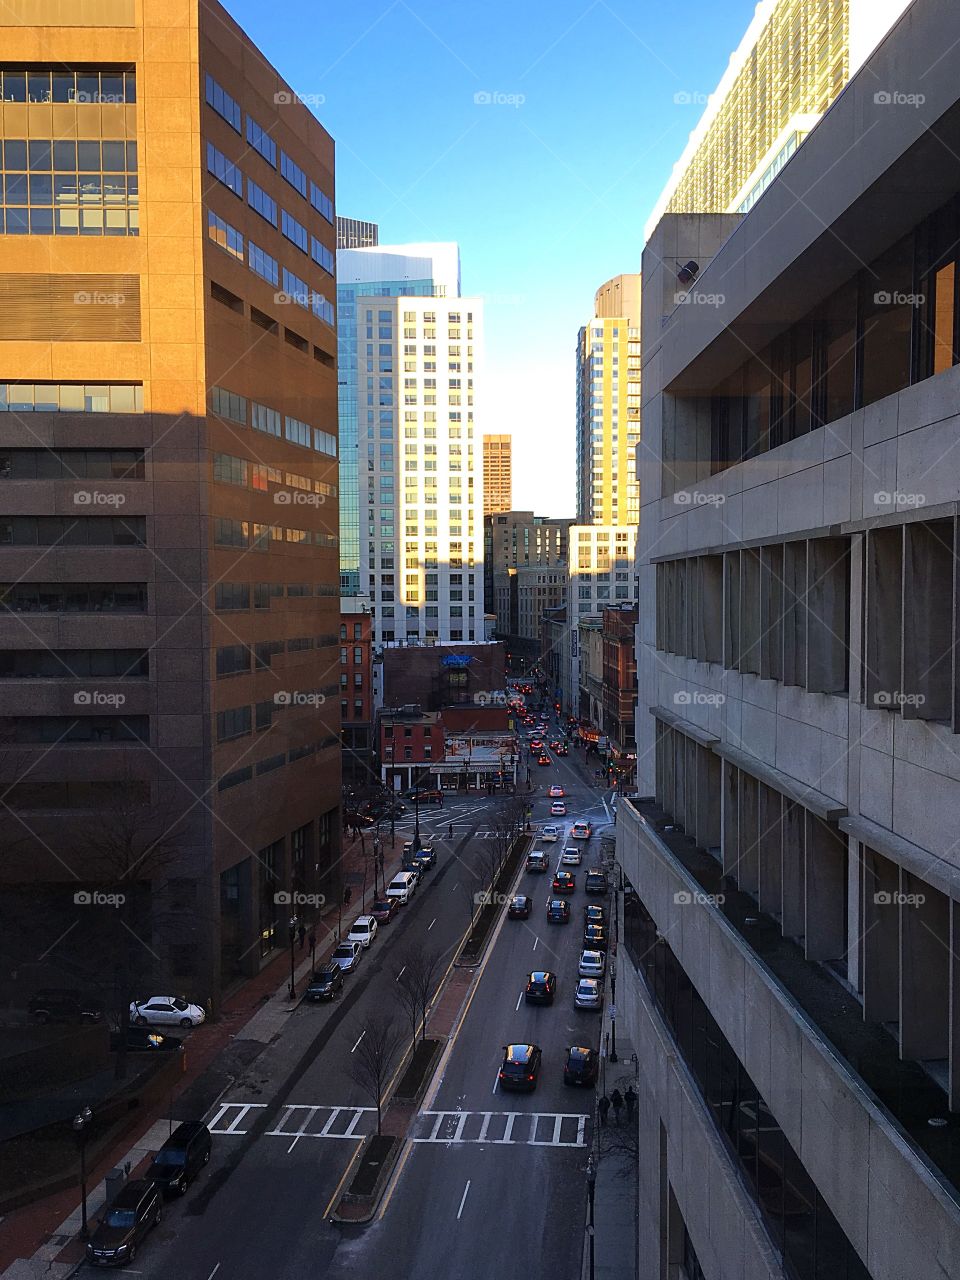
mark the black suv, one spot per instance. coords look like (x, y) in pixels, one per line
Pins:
(558, 911)
(541, 987)
(138, 1207)
(594, 937)
(326, 984)
(144, 1040)
(60, 1005)
(580, 1066)
(520, 1067)
(181, 1157)
(596, 881)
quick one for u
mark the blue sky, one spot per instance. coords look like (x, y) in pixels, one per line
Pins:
(546, 188)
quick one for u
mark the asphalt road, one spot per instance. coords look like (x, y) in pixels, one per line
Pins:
(477, 1190)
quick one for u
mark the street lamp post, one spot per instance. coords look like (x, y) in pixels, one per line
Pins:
(292, 929)
(613, 1010)
(591, 1188)
(81, 1122)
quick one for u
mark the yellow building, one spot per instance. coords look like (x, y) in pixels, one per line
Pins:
(794, 59)
(608, 406)
(497, 474)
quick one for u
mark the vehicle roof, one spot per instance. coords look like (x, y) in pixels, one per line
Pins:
(184, 1132)
(519, 1052)
(580, 1051)
(325, 970)
(131, 1193)
(595, 955)
(363, 920)
(540, 975)
(590, 982)
(558, 902)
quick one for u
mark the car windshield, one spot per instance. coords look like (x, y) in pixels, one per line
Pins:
(344, 951)
(121, 1218)
(325, 977)
(170, 1157)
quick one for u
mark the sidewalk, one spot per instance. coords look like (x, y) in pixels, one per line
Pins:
(40, 1240)
(616, 1190)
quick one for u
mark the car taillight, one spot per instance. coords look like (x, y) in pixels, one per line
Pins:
(530, 1077)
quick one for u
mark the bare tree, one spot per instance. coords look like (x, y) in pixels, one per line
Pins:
(423, 970)
(407, 997)
(374, 1058)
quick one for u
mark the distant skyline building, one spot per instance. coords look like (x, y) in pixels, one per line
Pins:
(795, 58)
(497, 473)
(354, 233)
(608, 406)
(426, 270)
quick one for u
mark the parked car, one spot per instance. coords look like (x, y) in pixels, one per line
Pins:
(144, 1040)
(403, 886)
(326, 984)
(594, 937)
(59, 1004)
(536, 860)
(520, 907)
(558, 911)
(580, 1066)
(541, 987)
(181, 1157)
(556, 792)
(588, 994)
(520, 1067)
(137, 1207)
(425, 856)
(558, 809)
(363, 930)
(347, 956)
(564, 882)
(550, 832)
(592, 964)
(571, 856)
(593, 913)
(166, 1011)
(596, 881)
(384, 909)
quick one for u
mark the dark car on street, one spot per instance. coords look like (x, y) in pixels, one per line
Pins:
(558, 911)
(596, 881)
(384, 909)
(326, 984)
(580, 1066)
(137, 1207)
(541, 987)
(181, 1158)
(536, 860)
(594, 937)
(520, 1067)
(520, 907)
(593, 913)
(145, 1040)
(564, 882)
(57, 1004)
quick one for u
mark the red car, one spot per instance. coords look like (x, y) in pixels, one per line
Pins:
(384, 909)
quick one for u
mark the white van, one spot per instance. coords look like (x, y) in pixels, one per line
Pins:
(402, 886)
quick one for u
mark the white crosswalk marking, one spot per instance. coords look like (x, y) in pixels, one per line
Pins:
(503, 1128)
(241, 1109)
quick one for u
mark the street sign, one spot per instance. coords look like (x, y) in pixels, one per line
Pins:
(613, 1012)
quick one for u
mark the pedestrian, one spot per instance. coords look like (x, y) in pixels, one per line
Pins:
(630, 1098)
(449, 830)
(616, 1101)
(312, 942)
(302, 935)
(603, 1106)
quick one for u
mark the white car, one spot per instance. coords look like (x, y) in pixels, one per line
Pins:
(364, 930)
(592, 964)
(587, 995)
(558, 809)
(347, 956)
(550, 833)
(581, 830)
(571, 856)
(167, 1011)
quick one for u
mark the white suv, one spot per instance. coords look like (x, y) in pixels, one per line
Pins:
(571, 856)
(364, 930)
(592, 964)
(550, 833)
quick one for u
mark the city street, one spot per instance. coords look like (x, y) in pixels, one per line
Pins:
(281, 1154)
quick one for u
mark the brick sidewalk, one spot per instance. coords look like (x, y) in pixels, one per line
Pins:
(29, 1229)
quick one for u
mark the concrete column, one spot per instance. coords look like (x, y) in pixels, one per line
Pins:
(884, 616)
(731, 818)
(954, 992)
(770, 850)
(690, 787)
(731, 610)
(771, 612)
(793, 874)
(708, 798)
(826, 882)
(748, 869)
(928, 567)
(750, 628)
(794, 613)
(828, 580)
(881, 938)
(924, 970)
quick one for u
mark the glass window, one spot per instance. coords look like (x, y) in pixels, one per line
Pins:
(261, 142)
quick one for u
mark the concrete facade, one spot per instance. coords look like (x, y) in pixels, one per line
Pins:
(795, 868)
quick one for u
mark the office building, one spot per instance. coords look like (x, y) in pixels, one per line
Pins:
(608, 406)
(619, 634)
(518, 539)
(601, 573)
(522, 594)
(169, 476)
(430, 270)
(497, 473)
(442, 675)
(352, 233)
(787, 963)
(356, 691)
(793, 61)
